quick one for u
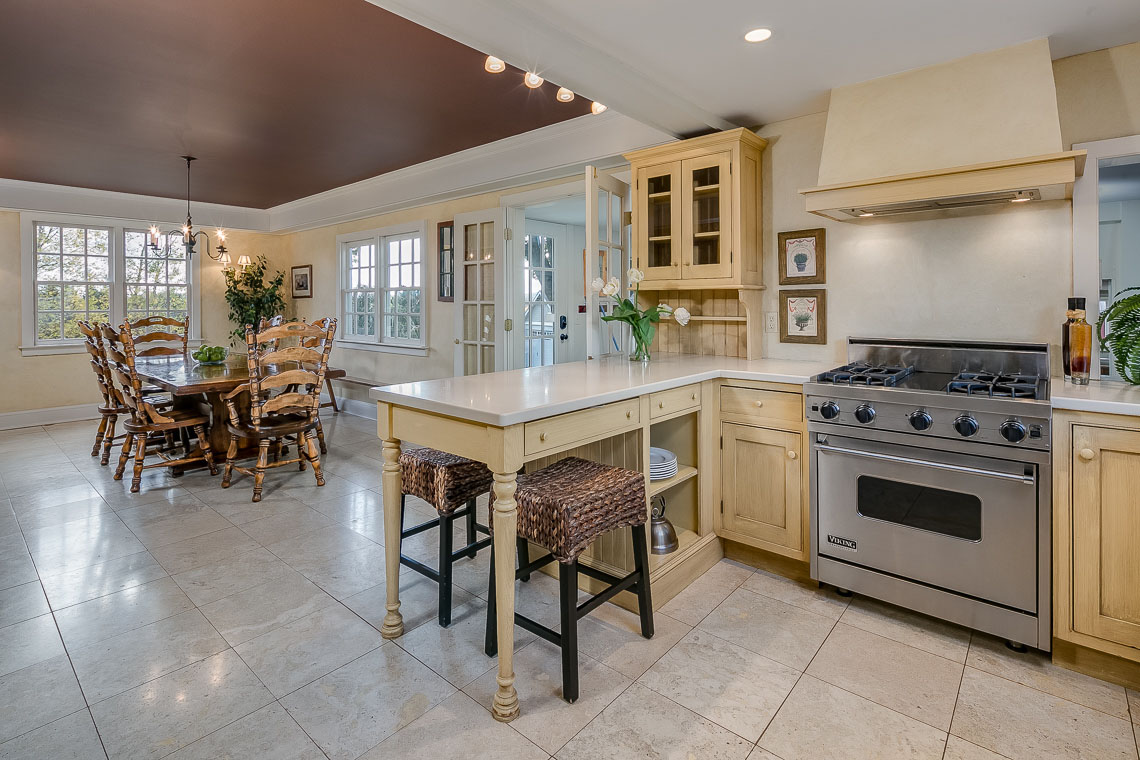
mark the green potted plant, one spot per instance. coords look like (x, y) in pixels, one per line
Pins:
(1120, 326)
(801, 318)
(250, 297)
(800, 260)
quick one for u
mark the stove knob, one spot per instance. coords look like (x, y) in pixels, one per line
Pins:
(966, 426)
(920, 419)
(829, 410)
(1013, 431)
(865, 413)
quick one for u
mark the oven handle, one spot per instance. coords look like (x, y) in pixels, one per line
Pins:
(1026, 479)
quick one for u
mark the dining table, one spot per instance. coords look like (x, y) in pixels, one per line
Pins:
(184, 377)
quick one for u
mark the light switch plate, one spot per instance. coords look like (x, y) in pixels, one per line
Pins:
(771, 324)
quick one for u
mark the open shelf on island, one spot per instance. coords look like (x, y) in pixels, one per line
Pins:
(685, 539)
(684, 472)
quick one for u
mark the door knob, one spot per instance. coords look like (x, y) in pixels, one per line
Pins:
(1087, 454)
(792, 455)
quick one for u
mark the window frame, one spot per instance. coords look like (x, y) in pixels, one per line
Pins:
(378, 238)
(29, 344)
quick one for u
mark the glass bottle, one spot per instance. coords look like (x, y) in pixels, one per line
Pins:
(1080, 335)
(1075, 304)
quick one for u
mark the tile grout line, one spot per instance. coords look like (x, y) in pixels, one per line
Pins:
(957, 696)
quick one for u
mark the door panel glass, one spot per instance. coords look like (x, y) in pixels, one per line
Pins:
(660, 220)
(478, 311)
(538, 305)
(931, 509)
(706, 215)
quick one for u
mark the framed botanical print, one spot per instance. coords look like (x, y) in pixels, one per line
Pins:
(302, 279)
(803, 316)
(446, 249)
(802, 257)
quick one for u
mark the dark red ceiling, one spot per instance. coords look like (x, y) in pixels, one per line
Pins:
(278, 99)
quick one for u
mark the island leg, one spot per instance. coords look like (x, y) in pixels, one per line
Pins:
(393, 626)
(506, 704)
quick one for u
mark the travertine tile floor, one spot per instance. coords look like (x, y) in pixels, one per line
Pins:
(188, 622)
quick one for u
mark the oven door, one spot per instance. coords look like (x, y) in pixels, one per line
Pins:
(963, 523)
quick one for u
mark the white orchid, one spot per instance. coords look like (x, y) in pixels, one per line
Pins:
(611, 288)
(635, 276)
(681, 314)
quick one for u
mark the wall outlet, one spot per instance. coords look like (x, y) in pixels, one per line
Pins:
(771, 323)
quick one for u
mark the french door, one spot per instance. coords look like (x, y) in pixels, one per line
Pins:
(607, 252)
(479, 331)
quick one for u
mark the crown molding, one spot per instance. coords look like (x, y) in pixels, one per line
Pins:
(19, 195)
(553, 152)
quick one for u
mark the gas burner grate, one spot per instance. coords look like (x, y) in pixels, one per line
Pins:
(861, 373)
(995, 385)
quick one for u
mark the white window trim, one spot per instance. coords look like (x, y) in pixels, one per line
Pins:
(28, 220)
(376, 236)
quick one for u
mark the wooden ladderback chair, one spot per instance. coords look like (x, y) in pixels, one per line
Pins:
(311, 342)
(284, 389)
(149, 414)
(112, 406)
(157, 335)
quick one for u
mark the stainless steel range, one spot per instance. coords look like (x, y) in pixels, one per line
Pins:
(931, 481)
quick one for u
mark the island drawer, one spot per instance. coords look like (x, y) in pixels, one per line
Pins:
(754, 402)
(566, 429)
(674, 400)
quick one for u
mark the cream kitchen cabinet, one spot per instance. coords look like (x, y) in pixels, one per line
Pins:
(763, 487)
(1097, 531)
(696, 212)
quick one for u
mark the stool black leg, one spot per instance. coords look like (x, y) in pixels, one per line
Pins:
(491, 640)
(445, 535)
(568, 604)
(472, 535)
(523, 549)
(641, 565)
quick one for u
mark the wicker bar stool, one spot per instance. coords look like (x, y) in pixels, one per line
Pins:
(563, 508)
(449, 483)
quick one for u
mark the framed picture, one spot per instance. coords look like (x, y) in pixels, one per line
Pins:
(802, 257)
(803, 316)
(446, 261)
(302, 279)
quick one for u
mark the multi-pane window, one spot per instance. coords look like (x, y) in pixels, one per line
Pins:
(99, 271)
(360, 290)
(73, 279)
(382, 291)
(156, 282)
(403, 292)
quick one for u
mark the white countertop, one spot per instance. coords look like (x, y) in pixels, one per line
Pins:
(522, 395)
(1106, 396)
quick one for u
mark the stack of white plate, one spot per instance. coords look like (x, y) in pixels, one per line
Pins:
(662, 464)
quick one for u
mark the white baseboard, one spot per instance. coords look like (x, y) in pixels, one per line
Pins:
(366, 409)
(53, 415)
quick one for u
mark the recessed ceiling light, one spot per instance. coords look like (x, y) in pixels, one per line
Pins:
(564, 95)
(532, 80)
(494, 65)
(596, 108)
(758, 35)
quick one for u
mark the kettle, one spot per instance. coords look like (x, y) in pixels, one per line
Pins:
(662, 534)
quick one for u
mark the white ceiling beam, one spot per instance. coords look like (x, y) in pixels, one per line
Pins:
(560, 50)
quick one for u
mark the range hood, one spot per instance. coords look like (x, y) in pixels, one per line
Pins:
(979, 131)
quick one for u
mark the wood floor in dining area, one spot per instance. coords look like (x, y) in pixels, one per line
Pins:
(187, 622)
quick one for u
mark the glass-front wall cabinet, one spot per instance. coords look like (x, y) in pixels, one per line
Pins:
(707, 215)
(660, 206)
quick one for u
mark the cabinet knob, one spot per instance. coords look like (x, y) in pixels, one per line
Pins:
(542, 436)
(694, 397)
(759, 404)
(792, 454)
(1087, 454)
(660, 404)
(629, 415)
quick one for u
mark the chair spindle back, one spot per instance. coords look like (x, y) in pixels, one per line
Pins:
(287, 364)
(119, 346)
(169, 336)
(93, 342)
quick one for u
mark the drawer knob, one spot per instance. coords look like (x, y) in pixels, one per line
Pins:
(694, 397)
(629, 414)
(792, 454)
(660, 404)
(1087, 454)
(759, 403)
(542, 436)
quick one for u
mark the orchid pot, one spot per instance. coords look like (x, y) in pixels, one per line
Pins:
(642, 322)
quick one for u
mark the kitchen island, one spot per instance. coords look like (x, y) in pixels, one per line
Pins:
(509, 419)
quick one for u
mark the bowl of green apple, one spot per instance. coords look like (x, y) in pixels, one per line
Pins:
(211, 355)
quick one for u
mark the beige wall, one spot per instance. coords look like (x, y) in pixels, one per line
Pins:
(1098, 94)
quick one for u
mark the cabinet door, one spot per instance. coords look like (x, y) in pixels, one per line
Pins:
(761, 485)
(1106, 533)
(659, 221)
(706, 216)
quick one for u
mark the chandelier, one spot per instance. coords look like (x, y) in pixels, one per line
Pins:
(190, 235)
